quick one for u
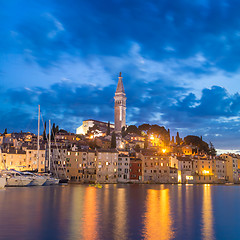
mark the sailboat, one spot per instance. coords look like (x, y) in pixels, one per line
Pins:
(49, 179)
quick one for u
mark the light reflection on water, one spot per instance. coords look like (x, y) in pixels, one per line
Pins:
(207, 214)
(158, 222)
(120, 212)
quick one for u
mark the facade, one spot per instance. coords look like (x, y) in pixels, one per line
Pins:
(123, 168)
(120, 106)
(219, 170)
(24, 160)
(81, 166)
(184, 166)
(155, 167)
(58, 161)
(107, 166)
(135, 169)
(231, 167)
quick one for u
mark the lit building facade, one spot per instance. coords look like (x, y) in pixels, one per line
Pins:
(123, 168)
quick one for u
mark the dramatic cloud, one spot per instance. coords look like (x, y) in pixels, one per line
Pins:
(180, 63)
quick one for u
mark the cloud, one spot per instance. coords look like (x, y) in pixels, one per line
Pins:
(180, 63)
(212, 115)
(179, 29)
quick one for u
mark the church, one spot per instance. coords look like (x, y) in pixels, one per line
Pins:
(119, 113)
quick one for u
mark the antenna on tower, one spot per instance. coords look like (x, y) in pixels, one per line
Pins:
(120, 74)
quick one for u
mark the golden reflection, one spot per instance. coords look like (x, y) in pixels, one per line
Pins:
(90, 214)
(207, 214)
(121, 215)
(76, 197)
(158, 222)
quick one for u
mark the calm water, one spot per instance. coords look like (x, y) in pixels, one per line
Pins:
(120, 212)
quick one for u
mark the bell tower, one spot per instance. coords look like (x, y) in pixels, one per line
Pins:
(120, 106)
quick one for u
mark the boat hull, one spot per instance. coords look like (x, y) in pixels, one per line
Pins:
(18, 182)
(3, 182)
(51, 181)
(38, 182)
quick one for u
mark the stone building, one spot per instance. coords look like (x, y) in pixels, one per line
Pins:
(135, 169)
(24, 160)
(231, 167)
(155, 167)
(81, 166)
(123, 168)
(107, 166)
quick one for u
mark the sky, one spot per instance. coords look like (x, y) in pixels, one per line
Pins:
(180, 62)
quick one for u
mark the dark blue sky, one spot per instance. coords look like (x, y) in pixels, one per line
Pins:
(180, 62)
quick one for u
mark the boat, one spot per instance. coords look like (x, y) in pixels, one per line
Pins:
(64, 180)
(3, 182)
(36, 179)
(15, 179)
(97, 185)
(49, 179)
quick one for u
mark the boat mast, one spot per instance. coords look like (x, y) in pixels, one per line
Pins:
(38, 138)
(49, 146)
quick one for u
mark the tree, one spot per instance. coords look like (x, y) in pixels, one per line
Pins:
(178, 140)
(137, 148)
(113, 140)
(144, 127)
(108, 129)
(168, 137)
(93, 144)
(53, 131)
(44, 132)
(5, 132)
(146, 142)
(212, 150)
(133, 129)
(124, 132)
(196, 141)
(93, 130)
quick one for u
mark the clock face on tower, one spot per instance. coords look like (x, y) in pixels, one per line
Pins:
(120, 106)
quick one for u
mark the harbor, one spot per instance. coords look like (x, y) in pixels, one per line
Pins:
(120, 211)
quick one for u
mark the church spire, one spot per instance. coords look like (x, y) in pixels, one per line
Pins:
(120, 88)
(120, 106)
